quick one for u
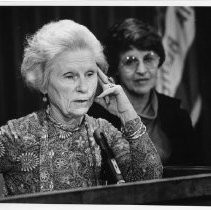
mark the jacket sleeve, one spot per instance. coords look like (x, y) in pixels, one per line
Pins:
(7, 149)
(134, 151)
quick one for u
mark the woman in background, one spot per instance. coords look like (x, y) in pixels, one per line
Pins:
(54, 148)
(135, 53)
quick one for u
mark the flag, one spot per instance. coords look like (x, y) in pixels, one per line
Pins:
(178, 75)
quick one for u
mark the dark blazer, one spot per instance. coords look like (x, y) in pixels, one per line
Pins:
(175, 123)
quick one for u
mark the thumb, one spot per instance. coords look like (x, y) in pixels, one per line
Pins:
(101, 102)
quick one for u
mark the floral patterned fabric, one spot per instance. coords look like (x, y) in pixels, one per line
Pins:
(36, 155)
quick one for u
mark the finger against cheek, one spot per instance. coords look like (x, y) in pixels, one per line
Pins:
(102, 76)
(100, 81)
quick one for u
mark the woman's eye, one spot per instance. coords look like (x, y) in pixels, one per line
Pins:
(148, 58)
(151, 61)
(91, 73)
(130, 60)
(151, 58)
(69, 76)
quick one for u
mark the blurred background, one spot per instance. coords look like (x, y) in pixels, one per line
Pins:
(194, 84)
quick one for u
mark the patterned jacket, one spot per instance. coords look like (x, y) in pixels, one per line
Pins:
(37, 156)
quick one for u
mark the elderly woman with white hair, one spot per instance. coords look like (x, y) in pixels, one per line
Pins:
(55, 148)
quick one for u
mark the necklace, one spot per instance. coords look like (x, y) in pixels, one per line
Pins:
(64, 131)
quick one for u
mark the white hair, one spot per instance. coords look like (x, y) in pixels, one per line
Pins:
(51, 40)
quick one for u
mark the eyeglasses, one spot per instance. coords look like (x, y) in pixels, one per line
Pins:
(150, 60)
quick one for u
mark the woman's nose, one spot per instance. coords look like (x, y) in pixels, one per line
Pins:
(141, 68)
(82, 85)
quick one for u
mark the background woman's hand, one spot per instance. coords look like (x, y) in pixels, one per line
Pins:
(114, 99)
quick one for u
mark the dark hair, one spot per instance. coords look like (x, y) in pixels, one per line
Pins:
(131, 33)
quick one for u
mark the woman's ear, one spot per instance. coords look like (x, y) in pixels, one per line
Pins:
(44, 88)
(43, 91)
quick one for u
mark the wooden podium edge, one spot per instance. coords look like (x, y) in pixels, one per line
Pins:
(142, 192)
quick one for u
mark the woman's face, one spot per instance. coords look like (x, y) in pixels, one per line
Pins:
(72, 83)
(137, 71)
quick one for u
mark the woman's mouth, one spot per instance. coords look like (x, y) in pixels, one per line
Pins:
(142, 80)
(82, 102)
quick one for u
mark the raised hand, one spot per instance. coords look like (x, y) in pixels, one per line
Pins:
(114, 99)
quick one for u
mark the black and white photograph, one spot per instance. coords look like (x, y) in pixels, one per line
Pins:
(105, 103)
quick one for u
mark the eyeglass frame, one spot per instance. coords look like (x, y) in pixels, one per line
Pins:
(148, 66)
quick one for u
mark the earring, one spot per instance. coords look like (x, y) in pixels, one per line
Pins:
(44, 99)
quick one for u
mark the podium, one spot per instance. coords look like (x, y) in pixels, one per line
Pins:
(180, 190)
